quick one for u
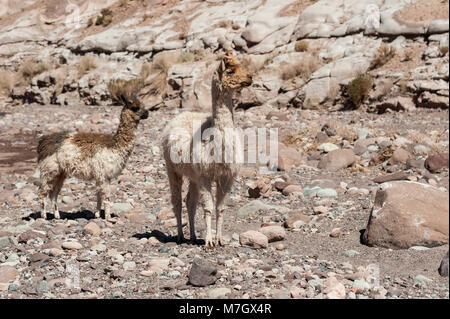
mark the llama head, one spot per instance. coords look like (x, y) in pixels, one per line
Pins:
(134, 105)
(232, 75)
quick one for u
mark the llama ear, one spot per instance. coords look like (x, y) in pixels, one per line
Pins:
(125, 101)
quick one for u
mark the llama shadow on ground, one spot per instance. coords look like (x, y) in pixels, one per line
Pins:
(85, 214)
(163, 238)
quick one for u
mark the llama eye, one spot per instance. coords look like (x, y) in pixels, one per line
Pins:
(229, 72)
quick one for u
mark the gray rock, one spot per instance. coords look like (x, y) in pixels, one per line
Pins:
(421, 281)
(203, 273)
(443, 268)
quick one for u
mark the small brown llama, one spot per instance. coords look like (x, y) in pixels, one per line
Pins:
(87, 156)
(203, 173)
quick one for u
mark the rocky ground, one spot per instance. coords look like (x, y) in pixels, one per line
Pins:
(135, 255)
(296, 232)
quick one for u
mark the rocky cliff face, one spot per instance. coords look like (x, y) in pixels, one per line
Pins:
(304, 53)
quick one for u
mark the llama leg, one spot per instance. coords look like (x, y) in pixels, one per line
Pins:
(191, 202)
(105, 197)
(57, 185)
(44, 191)
(176, 184)
(206, 199)
(223, 188)
(99, 203)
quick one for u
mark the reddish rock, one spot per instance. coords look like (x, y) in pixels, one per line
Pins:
(436, 162)
(292, 189)
(337, 159)
(288, 157)
(30, 234)
(289, 223)
(253, 239)
(280, 186)
(443, 268)
(399, 176)
(7, 274)
(273, 233)
(400, 156)
(92, 229)
(407, 214)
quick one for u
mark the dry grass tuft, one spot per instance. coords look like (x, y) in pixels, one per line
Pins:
(7, 81)
(444, 50)
(30, 68)
(384, 54)
(86, 64)
(303, 68)
(158, 73)
(302, 46)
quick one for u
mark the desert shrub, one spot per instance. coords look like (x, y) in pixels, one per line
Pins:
(409, 54)
(359, 88)
(7, 82)
(30, 68)
(303, 68)
(128, 88)
(384, 54)
(85, 64)
(105, 17)
(301, 46)
(186, 56)
(159, 70)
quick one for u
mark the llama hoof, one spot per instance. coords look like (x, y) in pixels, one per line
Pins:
(44, 215)
(209, 244)
(180, 240)
(57, 216)
(219, 242)
(97, 215)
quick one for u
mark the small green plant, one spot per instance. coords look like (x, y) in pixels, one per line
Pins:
(359, 89)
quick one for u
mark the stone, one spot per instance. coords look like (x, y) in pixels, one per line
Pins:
(333, 289)
(297, 217)
(273, 233)
(392, 177)
(72, 245)
(421, 281)
(253, 239)
(400, 156)
(443, 268)
(436, 162)
(335, 233)
(7, 274)
(254, 207)
(292, 189)
(28, 235)
(408, 214)
(327, 147)
(203, 273)
(92, 229)
(326, 193)
(122, 207)
(351, 253)
(218, 293)
(337, 159)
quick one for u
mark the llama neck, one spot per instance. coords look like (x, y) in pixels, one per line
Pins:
(126, 132)
(222, 105)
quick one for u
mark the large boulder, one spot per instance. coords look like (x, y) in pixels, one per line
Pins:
(407, 214)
